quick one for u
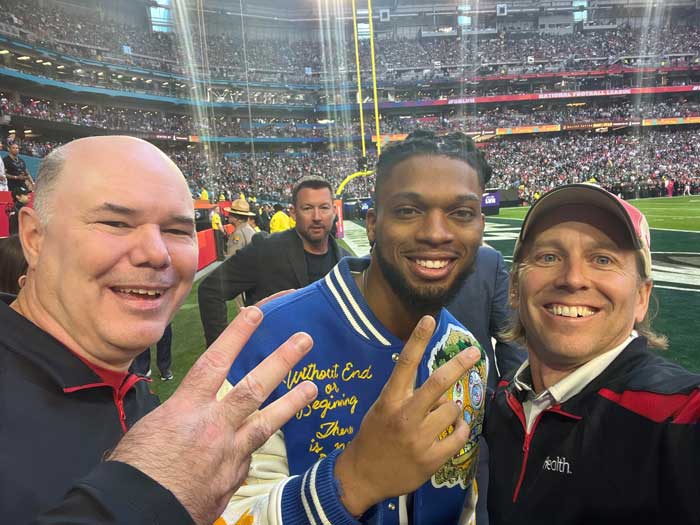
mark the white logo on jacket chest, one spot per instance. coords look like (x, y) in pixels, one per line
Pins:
(557, 465)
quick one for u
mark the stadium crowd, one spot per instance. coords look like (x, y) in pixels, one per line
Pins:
(227, 56)
(268, 176)
(466, 119)
(148, 230)
(634, 163)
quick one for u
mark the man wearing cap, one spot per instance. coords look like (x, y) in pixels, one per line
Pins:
(238, 215)
(21, 197)
(593, 427)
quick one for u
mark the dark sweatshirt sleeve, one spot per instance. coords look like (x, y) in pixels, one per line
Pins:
(235, 275)
(116, 493)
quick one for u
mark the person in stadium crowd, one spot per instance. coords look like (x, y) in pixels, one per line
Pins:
(111, 251)
(481, 304)
(253, 223)
(13, 266)
(238, 215)
(289, 259)
(20, 196)
(16, 169)
(594, 426)
(279, 222)
(290, 213)
(3, 177)
(219, 234)
(264, 215)
(164, 358)
(338, 451)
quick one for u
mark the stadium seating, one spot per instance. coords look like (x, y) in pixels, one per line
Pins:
(595, 126)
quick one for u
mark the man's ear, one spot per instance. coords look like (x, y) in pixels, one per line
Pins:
(643, 296)
(293, 212)
(371, 224)
(31, 235)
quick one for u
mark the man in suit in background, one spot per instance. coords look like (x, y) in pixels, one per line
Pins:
(482, 305)
(285, 260)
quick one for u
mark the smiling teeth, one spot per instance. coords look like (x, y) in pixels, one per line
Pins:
(570, 311)
(139, 291)
(427, 263)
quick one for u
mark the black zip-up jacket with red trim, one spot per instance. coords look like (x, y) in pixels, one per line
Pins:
(57, 422)
(625, 450)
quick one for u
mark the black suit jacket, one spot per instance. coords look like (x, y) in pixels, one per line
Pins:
(264, 267)
(482, 306)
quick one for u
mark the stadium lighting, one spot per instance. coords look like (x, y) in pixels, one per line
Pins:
(120, 76)
(149, 81)
(27, 131)
(100, 73)
(46, 64)
(60, 67)
(133, 78)
(39, 60)
(25, 57)
(3, 51)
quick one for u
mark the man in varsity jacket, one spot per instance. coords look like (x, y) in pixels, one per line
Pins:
(594, 427)
(342, 459)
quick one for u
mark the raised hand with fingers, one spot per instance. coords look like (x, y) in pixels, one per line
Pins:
(200, 448)
(401, 432)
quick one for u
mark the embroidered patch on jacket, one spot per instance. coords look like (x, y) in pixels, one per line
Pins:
(470, 394)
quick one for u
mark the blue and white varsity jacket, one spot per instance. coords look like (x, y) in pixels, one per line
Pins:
(291, 477)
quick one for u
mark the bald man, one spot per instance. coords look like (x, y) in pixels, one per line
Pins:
(112, 252)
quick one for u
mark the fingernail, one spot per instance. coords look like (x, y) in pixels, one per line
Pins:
(309, 390)
(424, 323)
(302, 342)
(473, 353)
(252, 314)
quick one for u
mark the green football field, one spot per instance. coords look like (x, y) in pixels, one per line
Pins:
(675, 239)
(678, 213)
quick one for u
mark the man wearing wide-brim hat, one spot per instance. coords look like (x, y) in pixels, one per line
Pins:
(238, 215)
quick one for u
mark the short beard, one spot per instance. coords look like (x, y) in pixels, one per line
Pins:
(313, 242)
(427, 300)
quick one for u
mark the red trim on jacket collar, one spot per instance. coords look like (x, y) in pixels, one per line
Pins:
(558, 410)
(120, 382)
(111, 378)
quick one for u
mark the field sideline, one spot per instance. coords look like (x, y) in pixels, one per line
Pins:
(677, 213)
(673, 222)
